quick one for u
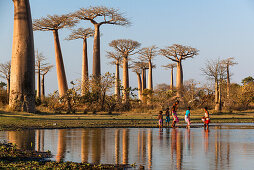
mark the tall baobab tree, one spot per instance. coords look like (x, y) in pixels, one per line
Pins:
(55, 23)
(39, 59)
(216, 71)
(171, 66)
(137, 70)
(5, 73)
(228, 63)
(117, 60)
(126, 48)
(44, 71)
(83, 34)
(147, 54)
(99, 16)
(177, 53)
(22, 86)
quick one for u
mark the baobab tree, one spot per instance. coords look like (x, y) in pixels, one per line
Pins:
(44, 71)
(55, 23)
(177, 53)
(147, 54)
(5, 73)
(126, 48)
(215, 71)
(39, 58)
(171, 66)
(228, 63)
(99, 16)
(22, 86)
(117, 61)
(83, 34)
(40, 66)
(136, 69)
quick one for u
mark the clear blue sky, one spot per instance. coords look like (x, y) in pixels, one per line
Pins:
(218, 28)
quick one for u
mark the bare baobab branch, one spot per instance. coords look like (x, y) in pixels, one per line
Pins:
(83, 34)
(54, 23)
(125, 48)
(177, 53)
(98, 16)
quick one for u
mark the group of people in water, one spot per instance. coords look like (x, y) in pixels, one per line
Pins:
(205, 119)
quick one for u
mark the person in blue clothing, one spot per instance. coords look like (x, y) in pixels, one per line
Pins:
(187, 117)
(167, 117)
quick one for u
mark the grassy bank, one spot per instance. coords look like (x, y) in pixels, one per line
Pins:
(19, 120)
(13, 158)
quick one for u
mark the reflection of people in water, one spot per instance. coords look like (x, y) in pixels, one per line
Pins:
(177, 148)
(187, 138)
(206, 139)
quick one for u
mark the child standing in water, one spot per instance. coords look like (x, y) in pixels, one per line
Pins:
(187, 117)
(167, 117)
(160, 118)
(174, 115)
(206, 118)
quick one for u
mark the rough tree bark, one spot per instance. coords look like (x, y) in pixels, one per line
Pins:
(61, 76)
(42, 87)
(22, 83)
(117, 83)
(38, 94)
(179, 79)
(150, 76)
(172, 78)
(84, 67)
(139, 86)
(96, 51)
(125, 80)
(143, 79)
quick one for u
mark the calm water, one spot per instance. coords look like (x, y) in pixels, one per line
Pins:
(217, 148)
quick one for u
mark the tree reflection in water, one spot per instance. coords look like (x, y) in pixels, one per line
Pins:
(177, 148)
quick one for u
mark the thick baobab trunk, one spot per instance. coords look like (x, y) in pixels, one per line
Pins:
(150, 82)
(143, 79)
(139, 87)
(42, 87)
(216, 97)
(8, 87)
(172, 79)
(84, 68)
(125, 81)
(117, 83)
(38, 94)
(150, 76)
(22, 85)
(61, 77)
(96, 51)
(179, 79)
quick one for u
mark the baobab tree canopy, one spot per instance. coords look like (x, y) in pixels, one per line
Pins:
(178, 52)
(124, 46)
(81, 33)
(148, 53)
(53, 22)
(108, 15)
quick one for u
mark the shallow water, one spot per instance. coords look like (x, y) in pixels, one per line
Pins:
(220, 147)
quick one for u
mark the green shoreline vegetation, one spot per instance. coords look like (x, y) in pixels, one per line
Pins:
(13, 158)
